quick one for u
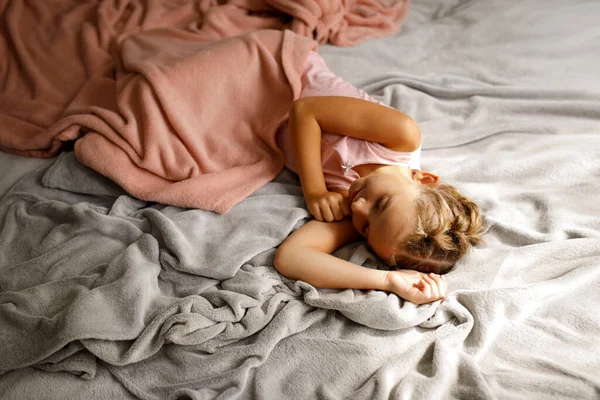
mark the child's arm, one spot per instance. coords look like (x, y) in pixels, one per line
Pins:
(305, 255)
(347, 116)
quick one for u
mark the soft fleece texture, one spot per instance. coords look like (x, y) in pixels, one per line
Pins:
(194, 124)
(106, 297)
(157, 98)
(54, 50)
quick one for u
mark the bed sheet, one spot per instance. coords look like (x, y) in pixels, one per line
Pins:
(109, 297)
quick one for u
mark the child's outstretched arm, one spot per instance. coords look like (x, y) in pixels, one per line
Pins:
(305, 255)
(346, 116)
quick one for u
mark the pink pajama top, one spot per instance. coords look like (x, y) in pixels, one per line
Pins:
(339, 154)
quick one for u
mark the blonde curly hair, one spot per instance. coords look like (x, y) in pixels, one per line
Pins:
(448, 225)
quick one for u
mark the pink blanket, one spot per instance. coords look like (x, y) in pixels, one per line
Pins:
(195, 125)
(158, 95)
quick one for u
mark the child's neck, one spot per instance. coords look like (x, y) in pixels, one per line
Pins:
(368, 169)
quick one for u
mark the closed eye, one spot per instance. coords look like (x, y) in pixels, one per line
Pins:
(381, 204)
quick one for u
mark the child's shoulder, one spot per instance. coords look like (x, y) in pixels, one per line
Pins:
(319, 80)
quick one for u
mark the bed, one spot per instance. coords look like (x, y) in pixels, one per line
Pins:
(105, 296)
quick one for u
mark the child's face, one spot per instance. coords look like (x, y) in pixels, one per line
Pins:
(382, 210)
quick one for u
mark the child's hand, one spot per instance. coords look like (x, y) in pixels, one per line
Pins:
(327, 206)
(415, 286)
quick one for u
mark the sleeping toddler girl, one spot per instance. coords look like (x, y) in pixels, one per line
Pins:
(358, 163)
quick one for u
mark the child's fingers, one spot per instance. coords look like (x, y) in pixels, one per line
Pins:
(424, 287)
(344, 206)
(337, 212)
(441, 283)
(315, 211)
(434, 292)
(326, 212)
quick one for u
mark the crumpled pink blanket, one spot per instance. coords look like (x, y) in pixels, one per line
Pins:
(194, 124)
(163, 97)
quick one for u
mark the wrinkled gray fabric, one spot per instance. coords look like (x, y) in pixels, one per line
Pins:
(90, 274)
(141, 300)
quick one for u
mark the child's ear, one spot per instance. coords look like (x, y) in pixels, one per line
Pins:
(427, 178)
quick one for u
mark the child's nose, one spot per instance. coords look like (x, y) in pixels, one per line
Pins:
(359, 207)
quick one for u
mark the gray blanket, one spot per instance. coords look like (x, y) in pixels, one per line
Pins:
(106, 296)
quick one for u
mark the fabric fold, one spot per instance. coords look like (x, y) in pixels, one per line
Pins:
(195, 123)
